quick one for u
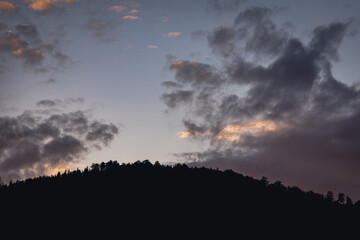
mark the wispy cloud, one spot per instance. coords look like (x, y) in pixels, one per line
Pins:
(172, 34)
(130, 17)
(117, 8)
(59, 103)
(152, 46)
(134, 11)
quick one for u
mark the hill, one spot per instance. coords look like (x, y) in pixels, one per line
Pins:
(177, 197)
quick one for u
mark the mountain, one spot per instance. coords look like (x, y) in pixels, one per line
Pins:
(177, 199)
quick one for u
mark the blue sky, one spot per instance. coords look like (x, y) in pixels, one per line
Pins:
(111, 67)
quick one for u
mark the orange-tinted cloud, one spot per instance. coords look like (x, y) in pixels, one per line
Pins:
(183, 134)
(172, 34)
(182, 64)
(45, 5)
(31, 56)
(134, 11)
(152, 46)
(233, 132)
(40, 5)
(117, 8)
(6, 6)
(9, 43)
(130, 17)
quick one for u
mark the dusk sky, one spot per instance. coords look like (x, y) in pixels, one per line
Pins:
(266, 88)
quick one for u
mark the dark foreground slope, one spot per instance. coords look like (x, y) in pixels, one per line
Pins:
(176, 199)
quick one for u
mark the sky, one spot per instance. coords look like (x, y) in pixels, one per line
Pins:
(266, 88)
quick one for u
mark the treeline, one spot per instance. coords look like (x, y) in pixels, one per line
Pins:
(144, 172)
(179, 194)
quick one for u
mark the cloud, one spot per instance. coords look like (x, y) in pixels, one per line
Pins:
(260, 36)
(130, 17)
(6, 6)
(176, 98)
(171, 84)
(289, 120)
(233, 132)
(196, 74)
(134, 11)
(31, 56)
(45, 5)
(32, 146)
(28, 30)
(40, 5)
(172, 34)
(152, 46)
(47, 103)
(59, 102)
(117, 8)
(10, 42)
(100, 132)
(24, 43)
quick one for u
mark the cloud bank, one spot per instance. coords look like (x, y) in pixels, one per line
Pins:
(289, 119)
(31, 145)
(24, 42)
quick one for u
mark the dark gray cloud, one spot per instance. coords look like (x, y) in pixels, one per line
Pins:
(177, 98)
(253, 15)
(222, 40)
(196, 74)
(101, 132)
(253, 31)
(31, 145)
(23, 42)
(314, 138)
(59, 102)
(46, 103)
(28, 30)
(171, 84)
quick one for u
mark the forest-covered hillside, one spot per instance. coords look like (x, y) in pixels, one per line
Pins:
(180, 195)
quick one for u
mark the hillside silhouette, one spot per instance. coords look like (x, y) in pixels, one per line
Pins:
(177, 198)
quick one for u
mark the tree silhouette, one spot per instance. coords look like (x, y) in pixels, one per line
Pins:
(164, 196)
(341, 198)
(349, 201)
(329, 196)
